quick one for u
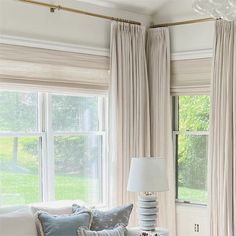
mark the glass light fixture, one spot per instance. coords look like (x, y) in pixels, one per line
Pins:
(224, 9)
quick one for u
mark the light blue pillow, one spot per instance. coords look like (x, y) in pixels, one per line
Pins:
(63, 225)
(108, 219)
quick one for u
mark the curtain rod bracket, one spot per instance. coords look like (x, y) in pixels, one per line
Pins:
(52, 9)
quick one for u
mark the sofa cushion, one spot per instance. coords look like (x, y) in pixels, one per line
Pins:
(108, 219)
(54, 208)
(63, 225)
(118, 231)
(18, 223)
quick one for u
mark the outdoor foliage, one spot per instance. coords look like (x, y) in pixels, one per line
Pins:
(71, 113)
(18, 111)
(192, 149)
(77, 157)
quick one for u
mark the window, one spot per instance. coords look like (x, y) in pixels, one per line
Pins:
(52, 146)
(190, 140)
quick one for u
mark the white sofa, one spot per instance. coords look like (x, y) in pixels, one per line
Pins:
(20, 221)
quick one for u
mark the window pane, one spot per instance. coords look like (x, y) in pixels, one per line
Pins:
(71, 113)
(19, 170)
(194, 113)
(18, 111)
(78, 167)
(192, 168)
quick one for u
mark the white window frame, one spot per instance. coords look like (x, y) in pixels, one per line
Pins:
(175, 133)
(46, 134)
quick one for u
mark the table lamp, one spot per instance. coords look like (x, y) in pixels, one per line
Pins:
(147, 176)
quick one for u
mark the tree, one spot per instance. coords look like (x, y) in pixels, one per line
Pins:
(18, 112)
(192, 150)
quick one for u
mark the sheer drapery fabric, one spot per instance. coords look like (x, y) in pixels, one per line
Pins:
(158, 61)
(129, 106)
(222, 138)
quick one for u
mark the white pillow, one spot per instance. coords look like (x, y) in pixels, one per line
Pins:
(18, 223)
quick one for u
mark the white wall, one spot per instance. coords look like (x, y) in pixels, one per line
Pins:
(188, 216)
(30, 21)
(185, 37)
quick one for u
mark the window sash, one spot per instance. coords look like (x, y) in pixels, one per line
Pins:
(175, 134)
(47, 135)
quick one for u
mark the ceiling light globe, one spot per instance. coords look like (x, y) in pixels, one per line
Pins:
(218, 3)
(232, 3)
(230, 17)
(225, 9)
(213, 13)
(202, 6)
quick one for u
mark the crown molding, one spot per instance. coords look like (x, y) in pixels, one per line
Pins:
(29, 42)
(191, 55)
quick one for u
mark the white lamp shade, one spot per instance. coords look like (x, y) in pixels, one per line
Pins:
(147, 174)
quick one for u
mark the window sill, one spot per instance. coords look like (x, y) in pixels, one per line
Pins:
(190, 204)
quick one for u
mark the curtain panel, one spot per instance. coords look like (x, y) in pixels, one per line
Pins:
(222, 138)
(158, 61)
(129, 106)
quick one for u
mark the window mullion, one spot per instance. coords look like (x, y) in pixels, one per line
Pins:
(50, 150)
(41, 146)
(106, 180)
(192, 133)
(100, 113)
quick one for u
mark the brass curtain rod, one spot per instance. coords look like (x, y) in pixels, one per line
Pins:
(182, 22)
(54, 7)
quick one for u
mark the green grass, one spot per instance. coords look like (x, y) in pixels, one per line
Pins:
(19, 181)
(24, 188)
(21, 186)
(192, 195)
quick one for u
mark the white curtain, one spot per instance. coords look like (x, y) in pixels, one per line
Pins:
(222, 140)
(158, 61)
(129, 105)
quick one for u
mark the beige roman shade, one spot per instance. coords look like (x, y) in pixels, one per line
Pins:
(191, 77)
(52, 69)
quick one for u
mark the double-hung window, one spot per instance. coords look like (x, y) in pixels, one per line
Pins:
(52, 147)
(191, 123)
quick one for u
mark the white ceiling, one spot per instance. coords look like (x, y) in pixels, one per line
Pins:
(138, 6)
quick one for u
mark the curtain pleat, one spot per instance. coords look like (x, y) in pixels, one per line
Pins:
(222, 138)
(129, 106)
(158, 61)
